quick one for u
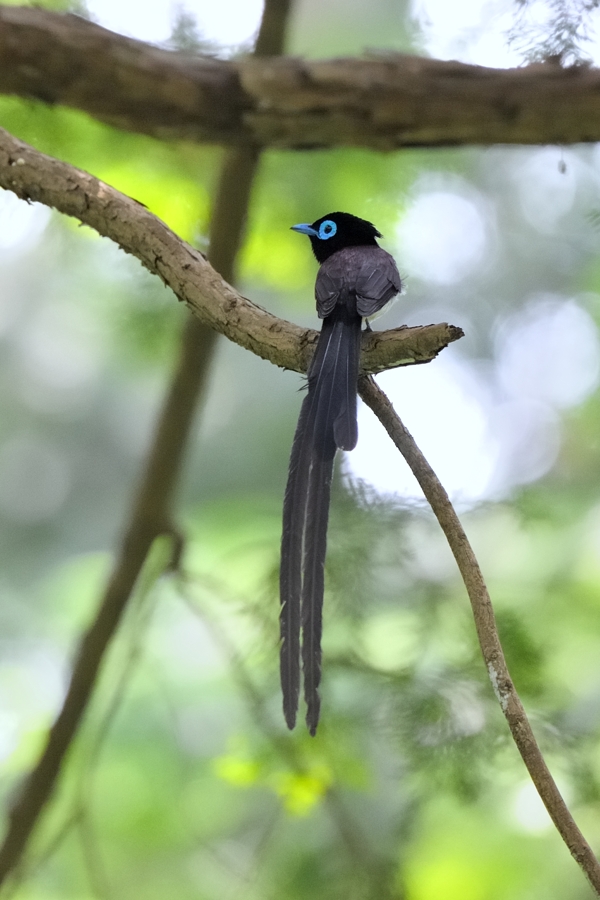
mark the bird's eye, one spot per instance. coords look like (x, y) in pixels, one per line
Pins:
(327, 229)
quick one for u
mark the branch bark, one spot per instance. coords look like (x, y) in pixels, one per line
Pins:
(487, 633)
(383, 102)
(218, 308)
(34, 176)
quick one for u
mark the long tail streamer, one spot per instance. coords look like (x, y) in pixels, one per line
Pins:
(327, 422)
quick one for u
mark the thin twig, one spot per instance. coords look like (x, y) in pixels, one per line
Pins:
(487, 632)
(151, 511)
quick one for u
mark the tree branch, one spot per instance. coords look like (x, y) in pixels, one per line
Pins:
(35, 176)
(382, 102)
(487, 632)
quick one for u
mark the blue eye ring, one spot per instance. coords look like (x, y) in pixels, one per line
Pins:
(327, 229)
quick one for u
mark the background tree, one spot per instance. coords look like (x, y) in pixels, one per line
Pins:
(183, 779)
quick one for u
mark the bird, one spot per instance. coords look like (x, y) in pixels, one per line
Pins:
(356, 279)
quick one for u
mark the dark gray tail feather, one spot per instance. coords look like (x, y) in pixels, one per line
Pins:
(327, 421)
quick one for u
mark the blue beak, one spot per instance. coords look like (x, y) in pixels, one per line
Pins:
(305, 229)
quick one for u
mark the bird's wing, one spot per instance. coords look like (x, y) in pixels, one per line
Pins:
(328, 287)
(377, 281)
(367, 273)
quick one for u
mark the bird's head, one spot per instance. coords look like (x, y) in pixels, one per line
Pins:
(337, 230)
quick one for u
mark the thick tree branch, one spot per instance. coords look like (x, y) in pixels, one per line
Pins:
(487, 632)
(35, 176)
(383, 102)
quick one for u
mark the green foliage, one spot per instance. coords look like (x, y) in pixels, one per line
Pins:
(70, 6)
(184, 781)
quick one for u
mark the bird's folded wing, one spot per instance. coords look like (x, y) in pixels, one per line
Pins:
(377, 282)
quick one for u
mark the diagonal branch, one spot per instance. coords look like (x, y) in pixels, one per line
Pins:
(35, 176)
(487, 632)
(218, 308)
(383, 102)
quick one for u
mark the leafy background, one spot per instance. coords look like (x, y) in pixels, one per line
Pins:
(184, 781)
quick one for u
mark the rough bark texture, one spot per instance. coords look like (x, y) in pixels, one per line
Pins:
(65, 59)
(34, 176)
(383, 102)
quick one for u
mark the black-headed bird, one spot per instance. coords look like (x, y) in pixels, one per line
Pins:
(356, 279)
